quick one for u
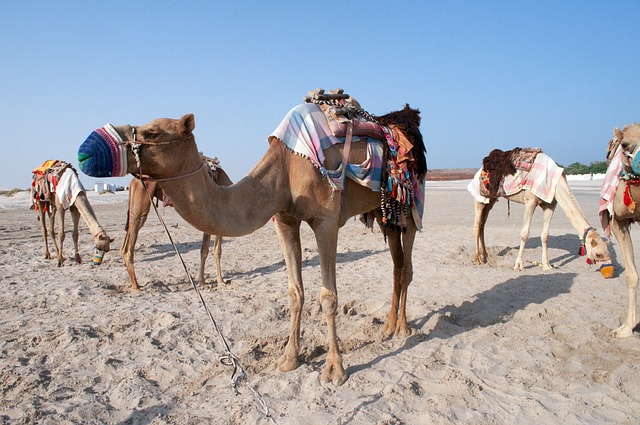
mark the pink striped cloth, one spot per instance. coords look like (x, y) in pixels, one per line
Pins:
(608, 191)
(541, 180)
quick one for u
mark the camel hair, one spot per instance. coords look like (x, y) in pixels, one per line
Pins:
(290, 188)
(138, 212)
(622, 218)
(80, 207)
(596, 248)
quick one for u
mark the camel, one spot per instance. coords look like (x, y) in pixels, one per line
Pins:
(290, 188)
(137, 213)
(47, 202)
(595, 248)
(624, 212)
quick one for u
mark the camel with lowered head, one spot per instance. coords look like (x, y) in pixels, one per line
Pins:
(596, 248)
(137, 213)
(289, 187)
(623, 216)
(80, 207)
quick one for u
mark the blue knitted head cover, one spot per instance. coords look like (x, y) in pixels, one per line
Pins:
(103, 154)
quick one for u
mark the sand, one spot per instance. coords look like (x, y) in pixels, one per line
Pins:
(489, 345)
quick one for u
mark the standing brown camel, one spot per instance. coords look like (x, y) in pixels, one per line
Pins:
(137, 214)
(290, 187)
(618, 210)
(516, 168)
(55, 189)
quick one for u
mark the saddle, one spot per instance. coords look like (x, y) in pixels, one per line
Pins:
(342, 110)
(45, 180)
(499, 164)
(398, 132)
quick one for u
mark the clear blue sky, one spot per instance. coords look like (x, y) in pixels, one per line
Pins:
(559, 75)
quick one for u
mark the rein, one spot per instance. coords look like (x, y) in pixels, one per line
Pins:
(238, 376)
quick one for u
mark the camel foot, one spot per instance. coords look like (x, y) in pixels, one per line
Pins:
(389, 330)
(403, 330)
(286, 363)
(518, 267)
(334, 373)
(47, 256)
(78, 259)
(624, 331)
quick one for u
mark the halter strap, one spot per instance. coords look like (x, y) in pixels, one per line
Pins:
(135, 148)
(584, 236)
(182, 176)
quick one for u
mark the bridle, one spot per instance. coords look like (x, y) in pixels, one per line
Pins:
(136, 146)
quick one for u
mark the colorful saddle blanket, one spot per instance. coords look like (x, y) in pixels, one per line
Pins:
(55, 177)
(305, 130)
(540, 177)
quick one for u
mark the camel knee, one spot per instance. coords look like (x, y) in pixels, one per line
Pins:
(329, 301)
(296, 300)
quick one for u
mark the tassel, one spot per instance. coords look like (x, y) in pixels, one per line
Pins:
(583, 251)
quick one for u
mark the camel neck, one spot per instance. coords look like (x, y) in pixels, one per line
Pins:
(571, 208)
(234, 210)
(88, 215)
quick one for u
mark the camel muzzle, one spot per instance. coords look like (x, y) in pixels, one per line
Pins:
(103, 154)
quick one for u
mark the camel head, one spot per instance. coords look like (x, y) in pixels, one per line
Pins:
(163, 148)
(597, 250)
(102, 243)
(629, 138)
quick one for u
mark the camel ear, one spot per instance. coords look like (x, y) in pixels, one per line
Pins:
(111, 240)
(593, 243)
(617, 133)
(188, 122)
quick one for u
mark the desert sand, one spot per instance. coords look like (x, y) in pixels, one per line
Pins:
(488, 346)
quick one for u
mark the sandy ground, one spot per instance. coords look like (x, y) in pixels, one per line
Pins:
(489, 345)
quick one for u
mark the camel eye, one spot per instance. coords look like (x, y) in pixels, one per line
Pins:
(149, 134)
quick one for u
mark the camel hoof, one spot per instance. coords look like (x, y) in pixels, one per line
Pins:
(334, 374)
(287, 364)
(388, 330)
(403, 331)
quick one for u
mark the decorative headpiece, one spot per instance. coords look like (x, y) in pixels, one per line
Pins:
(103, 154)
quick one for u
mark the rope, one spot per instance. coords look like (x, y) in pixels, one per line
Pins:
(239, 376)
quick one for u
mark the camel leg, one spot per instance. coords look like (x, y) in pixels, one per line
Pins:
(622, 233)
(204, 253)
(60, 212)
(481, 216)
(401, 247)
(529, 208)
(43, 223)
(217, 255)
(75, 218)
(53, 214)
(327, 239)
(288, 229)
(138, 211)
(544, 236)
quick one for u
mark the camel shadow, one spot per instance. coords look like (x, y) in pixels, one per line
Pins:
(260, 271)
(495, 305)
(310, 262)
